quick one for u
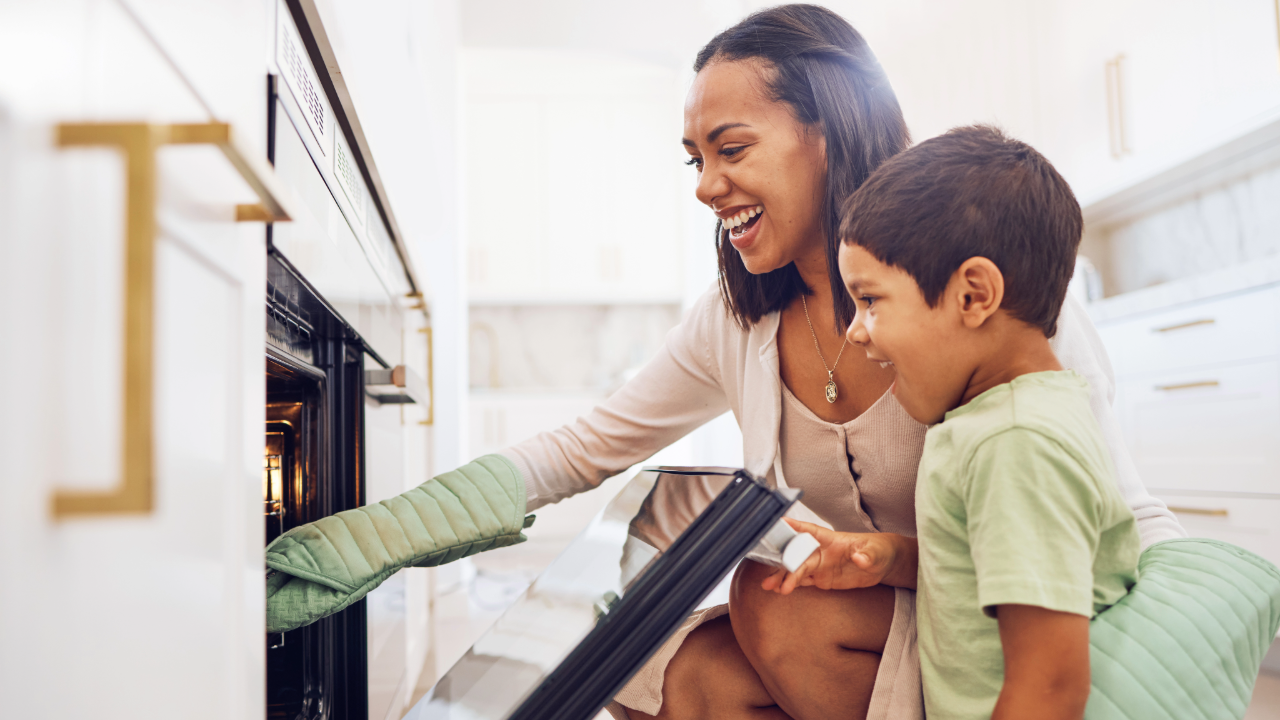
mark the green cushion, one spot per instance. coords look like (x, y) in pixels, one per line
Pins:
(1188, 640)
(320, 568)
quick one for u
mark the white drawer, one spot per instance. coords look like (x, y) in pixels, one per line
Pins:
(1229, 329)
(1215, 429)
(1252, 523)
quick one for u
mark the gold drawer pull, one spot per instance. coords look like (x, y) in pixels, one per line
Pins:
(138, 143)
(1219, 512)
(1188, 386)
(1185, 325)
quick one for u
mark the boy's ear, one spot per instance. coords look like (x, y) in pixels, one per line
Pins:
(978, 288)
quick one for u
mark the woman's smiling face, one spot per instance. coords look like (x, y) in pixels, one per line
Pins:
(762, 171)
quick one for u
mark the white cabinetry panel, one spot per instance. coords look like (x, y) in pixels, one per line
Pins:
(1237, 327)
(1249, 522)
(1190, 77)
(574, 179)
(1213, 429)
(143, 615)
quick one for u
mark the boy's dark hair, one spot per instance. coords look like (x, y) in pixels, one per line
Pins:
(973, 192)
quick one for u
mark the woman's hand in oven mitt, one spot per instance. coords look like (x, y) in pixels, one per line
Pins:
(317, 569)
(844, 561)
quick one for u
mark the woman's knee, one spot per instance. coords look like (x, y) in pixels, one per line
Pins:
(775, 630)
(710, 677)
(754, 613)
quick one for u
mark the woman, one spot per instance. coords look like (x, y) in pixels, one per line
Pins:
(788, 114)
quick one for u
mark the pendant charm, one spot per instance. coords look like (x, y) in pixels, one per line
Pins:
(831, 391)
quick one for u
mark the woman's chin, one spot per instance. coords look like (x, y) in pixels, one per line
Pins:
(758, 263)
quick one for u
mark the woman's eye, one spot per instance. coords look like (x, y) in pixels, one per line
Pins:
(730, 152)
(694, 161)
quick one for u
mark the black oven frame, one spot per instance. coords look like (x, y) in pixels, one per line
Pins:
(315, 369)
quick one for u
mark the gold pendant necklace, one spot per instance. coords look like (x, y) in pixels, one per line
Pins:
(832, 391)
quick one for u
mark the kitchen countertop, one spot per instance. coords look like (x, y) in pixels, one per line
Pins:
(1246, 276)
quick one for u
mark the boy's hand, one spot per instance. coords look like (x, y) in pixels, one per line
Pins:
(849, 560)
(1046, 664)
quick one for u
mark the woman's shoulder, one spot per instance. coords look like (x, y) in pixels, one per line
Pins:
(711, 318)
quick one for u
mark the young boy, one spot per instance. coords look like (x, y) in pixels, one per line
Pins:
(958, 253)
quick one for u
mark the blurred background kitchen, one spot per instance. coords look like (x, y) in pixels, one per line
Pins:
(533, 235)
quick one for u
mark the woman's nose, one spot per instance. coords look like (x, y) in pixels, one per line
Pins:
(712, 185)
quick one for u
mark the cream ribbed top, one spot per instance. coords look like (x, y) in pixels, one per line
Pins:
(860, 476)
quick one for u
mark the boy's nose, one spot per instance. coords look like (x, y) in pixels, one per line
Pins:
(857, 332)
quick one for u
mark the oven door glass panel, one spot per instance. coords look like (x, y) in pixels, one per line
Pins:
(610, 600)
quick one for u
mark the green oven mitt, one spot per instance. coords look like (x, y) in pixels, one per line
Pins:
(1187, 641)
(320, 568)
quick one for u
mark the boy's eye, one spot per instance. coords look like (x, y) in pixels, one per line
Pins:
(868, 300)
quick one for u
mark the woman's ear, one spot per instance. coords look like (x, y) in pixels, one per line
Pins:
(978, 287)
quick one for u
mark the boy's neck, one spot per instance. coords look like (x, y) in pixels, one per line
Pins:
(1013, 349)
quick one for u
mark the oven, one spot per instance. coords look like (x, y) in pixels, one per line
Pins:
(313, 466)
(346, 406)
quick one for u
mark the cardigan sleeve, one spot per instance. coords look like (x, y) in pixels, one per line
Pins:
(1079, 347)
(676, 392)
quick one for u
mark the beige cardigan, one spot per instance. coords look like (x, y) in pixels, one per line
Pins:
(708, 365)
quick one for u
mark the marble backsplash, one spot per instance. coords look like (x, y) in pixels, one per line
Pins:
(564, 347)
(1234, 223)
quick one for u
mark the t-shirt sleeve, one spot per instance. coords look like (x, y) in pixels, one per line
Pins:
(1033, 523)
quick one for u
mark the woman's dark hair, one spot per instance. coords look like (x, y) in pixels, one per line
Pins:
(823, 69)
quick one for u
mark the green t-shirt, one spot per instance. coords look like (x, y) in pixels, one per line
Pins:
(1015, 504)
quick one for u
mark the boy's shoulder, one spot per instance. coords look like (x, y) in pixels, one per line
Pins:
(1040, 410)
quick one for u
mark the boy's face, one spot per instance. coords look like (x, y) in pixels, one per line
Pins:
(895, 325)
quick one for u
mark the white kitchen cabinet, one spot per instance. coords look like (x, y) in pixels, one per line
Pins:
(1185, 77)
(1236, 327)
(1249, 522)
(145, 614)
(1211, 428)
(574, 179)
(1197, 365)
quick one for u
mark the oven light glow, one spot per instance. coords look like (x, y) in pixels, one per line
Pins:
(272, 480)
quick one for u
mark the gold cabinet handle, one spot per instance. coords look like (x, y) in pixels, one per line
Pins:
(431, 376)
(1218, 512)
(138, 143)
(1117, 134)
(1185, 325)
(1188, 386)
(256, 172)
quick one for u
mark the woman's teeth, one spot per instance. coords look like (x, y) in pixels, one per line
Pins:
(886, 364)
(737, 221)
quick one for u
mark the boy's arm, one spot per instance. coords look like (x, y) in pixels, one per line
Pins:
(1046, 664)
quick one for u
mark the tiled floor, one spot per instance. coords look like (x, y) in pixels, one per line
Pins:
(1266, 697)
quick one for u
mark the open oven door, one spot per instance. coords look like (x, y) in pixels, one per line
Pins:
(611, 599)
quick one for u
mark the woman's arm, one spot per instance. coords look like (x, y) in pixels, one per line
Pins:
(1079, 347)
(679, 390)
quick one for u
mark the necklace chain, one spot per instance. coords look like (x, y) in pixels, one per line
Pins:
(832, 391)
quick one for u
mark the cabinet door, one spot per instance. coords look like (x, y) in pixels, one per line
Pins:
(1194, 70)
(1249, 522)
(155, 614)
(1074, 42)
(1210, 429)
(582, 203)
(1132, 88)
